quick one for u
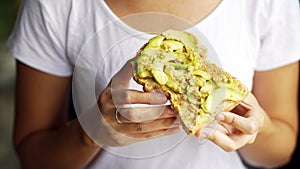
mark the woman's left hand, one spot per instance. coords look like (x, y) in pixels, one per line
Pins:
(237, 128)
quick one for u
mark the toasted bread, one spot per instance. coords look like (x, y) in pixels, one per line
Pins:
(176, 63)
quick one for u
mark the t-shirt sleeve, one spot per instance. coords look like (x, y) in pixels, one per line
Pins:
(38, 41)
(280, 35)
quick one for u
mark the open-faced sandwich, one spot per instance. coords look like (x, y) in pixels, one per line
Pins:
(176, 63)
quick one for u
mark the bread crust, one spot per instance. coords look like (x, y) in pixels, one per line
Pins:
(192, 125)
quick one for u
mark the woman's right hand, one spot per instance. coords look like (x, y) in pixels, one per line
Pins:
(129, 125)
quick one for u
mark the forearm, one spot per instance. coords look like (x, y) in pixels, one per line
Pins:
(66, 147)
(273, 147)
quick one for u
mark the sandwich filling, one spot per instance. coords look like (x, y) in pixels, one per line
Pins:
(175, 63)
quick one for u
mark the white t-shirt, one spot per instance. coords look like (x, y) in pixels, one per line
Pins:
(85, 39)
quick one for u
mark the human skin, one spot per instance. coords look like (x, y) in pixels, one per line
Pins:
(276, 91)
(44, 138)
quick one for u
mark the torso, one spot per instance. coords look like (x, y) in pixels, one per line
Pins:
(98, 44)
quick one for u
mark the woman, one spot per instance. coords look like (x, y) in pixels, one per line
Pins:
(53, 40)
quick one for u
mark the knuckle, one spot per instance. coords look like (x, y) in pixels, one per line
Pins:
(104, 96)
(138, 127)
(129, 115)
(134, 115)
(127, 96)
(251, 141)
(231, 120)
(167, 122)
(261, 122)
(252, 128)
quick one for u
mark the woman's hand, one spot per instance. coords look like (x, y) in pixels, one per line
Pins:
(237, 128)
(128, 125)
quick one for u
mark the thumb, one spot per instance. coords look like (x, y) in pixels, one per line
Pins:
(122, 78)
(126, 96)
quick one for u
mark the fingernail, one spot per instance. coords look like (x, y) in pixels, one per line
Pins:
(220, 117)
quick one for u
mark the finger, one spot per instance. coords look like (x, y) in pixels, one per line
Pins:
(250, 100)
(245, 125)
(226, 142)
(155, 125)
(136, 115)
(154, 134)
(225, 139)
(245, 105)
(222, 140)
(146, 97)
(124, 96)
(241, 109)
(122, 78)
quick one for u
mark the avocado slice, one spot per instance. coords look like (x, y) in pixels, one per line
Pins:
(151, 52)
(172, 46)
(173, 84)
(155, 42)
(217, 96)
(233, 84)
(181, 57)
(177, 66)
(144, 74)
(159, 76)
(141, 66)
(201, 73)
(190, 42)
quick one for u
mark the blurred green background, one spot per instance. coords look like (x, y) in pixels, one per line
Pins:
(8, 159)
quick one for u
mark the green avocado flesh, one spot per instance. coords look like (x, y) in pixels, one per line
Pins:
(197, 88)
